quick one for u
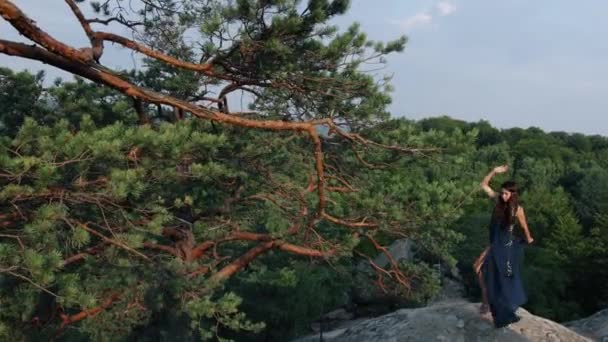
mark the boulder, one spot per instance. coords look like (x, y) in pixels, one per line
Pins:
(364, 291)
(594, 327)
(400, 250)
(452, 320)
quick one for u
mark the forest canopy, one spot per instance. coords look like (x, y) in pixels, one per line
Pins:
(139, 204)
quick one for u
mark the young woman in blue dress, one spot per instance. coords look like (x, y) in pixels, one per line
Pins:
(498, 266)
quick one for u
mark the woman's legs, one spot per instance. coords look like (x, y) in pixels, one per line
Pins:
(504, 293)
(485, 308)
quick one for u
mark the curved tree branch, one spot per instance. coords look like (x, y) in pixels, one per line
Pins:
(129, 24)
(69, 319)
(28, 28)
(238, 264)
(205, 68)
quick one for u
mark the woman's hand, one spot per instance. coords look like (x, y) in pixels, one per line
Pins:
(485, 183)
(529, 240)
(501, 169)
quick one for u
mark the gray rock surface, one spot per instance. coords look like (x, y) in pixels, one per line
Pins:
(594, 327)
(400, 250)
(453, 320)
(364, 290)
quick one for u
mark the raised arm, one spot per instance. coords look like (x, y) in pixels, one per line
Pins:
(485, 183)
(521, 217)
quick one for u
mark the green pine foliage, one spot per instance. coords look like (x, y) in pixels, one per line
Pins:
(100, 214)
(70, 176)
(562, 177)
(79, 188)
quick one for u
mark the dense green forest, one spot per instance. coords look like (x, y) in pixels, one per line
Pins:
(72, 134)
(564, 178)
(137, 205)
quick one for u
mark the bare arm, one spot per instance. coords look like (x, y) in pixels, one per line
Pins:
(521, 217)
(485, 183)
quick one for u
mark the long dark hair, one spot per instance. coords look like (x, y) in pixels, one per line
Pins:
(505, 211)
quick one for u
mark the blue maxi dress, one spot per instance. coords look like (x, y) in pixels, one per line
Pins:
(501, 274)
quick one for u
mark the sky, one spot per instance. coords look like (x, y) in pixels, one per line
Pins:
(514, 63)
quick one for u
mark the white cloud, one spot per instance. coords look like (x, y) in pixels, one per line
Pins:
(425, 17)
(419, 19)
(445, 8)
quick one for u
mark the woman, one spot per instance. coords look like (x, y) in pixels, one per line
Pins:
(498, 266)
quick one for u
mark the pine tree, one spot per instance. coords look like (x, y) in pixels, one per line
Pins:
(117, 227)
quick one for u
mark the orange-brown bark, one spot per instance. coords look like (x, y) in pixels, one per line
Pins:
(28, 28)
(82, 62)
(69, 319)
